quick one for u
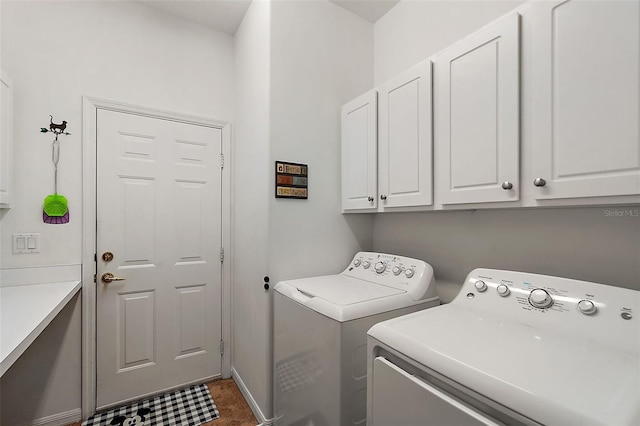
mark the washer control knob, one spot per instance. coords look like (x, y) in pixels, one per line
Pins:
(587, 307)
(503, 290)
(380, 267)
(357, 262)
(396, 270)
(540, 298)
(366, 264)
(480, 286)
(409, 272)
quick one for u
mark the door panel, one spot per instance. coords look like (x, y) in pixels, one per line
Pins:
(359, 153)
(159, 213)
(416, 402)
(405, 141)
(137, 326)
(586, 102)
(477, 116)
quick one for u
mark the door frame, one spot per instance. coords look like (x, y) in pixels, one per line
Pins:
(90, 107)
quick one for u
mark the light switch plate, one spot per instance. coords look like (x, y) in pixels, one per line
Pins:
(26, 243)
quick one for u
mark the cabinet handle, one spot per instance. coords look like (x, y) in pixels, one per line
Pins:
(507, 185)
(370, 199)
(383, 197)
(539, 182)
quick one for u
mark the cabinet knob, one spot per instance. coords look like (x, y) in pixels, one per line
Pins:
(539, 182)
(383, 197)
(507, 185)
(370, 199)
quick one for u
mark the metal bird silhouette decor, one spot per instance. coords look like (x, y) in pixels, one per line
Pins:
(55, 209)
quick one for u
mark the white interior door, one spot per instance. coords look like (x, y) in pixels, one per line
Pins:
(159, 214)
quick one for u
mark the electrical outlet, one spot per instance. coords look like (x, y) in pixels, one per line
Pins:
(26, 243)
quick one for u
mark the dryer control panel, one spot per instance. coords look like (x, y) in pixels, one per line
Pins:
(553, 303)
(413, 276)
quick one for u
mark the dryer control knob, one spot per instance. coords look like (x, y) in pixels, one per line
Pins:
(396, 270)
(540, 298)
(366, 264)
(357, 262)
(380, 267)
(503, 290)
(587, 307)
(409, 272)
(480, 286)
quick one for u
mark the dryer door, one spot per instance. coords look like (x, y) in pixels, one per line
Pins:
(402, 399)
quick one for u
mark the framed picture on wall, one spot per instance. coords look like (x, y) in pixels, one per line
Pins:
(292, 180)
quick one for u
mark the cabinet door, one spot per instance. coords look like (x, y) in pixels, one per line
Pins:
(477, 116)
(404, 139)
(6, 140)
(359, 153)
(585, 110)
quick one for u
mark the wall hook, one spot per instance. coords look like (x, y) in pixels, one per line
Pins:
(56, 128)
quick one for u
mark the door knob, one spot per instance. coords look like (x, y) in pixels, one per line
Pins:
(383, 197)
(108, 277)
(507, 185)
(370, 199)
(107, 256)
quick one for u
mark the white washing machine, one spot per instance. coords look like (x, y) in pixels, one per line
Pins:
(511, 349)
(320, 335)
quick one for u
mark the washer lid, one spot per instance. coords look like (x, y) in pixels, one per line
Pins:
(344, 298)
(343, 290)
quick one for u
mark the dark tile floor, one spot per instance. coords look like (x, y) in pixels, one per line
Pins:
(233, 409)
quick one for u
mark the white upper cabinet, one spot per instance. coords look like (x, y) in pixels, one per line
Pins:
(6, 140)
(359, 153)
(405, 177)
(477, 116)
(585, 99)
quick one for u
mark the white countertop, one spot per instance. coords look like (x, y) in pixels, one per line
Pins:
(26, 310)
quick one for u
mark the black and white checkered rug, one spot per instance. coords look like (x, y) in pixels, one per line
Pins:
(190, 406)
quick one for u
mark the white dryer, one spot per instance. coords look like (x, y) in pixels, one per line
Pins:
(320, 335)
(512, 348)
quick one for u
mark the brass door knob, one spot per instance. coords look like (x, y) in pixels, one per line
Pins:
(107, 256)
(108, 277)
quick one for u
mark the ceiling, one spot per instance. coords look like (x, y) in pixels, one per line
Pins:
(226, 15)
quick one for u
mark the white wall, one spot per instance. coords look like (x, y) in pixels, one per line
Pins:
(56, 52)
(313, 56)
(322, 57)
(591, 244)
(251, 303)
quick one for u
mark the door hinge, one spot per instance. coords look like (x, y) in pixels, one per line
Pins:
(95, 278)
(221, 254)
(222, 161)
(221, 347)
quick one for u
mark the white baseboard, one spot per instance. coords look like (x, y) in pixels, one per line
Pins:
(59, 419)
(252, 402)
